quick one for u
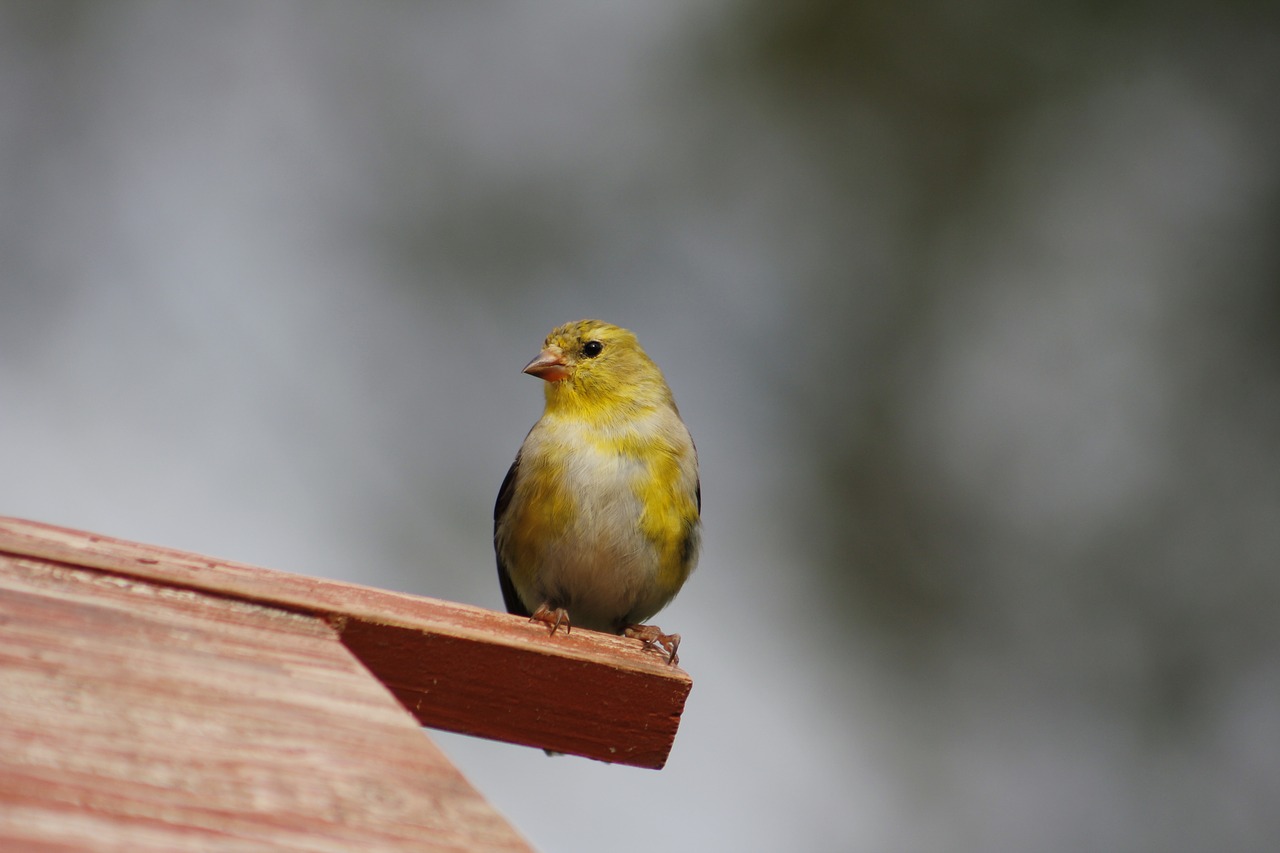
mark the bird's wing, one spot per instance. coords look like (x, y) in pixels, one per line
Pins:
(509, 595)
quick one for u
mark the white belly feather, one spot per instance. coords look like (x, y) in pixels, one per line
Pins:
(603, 569)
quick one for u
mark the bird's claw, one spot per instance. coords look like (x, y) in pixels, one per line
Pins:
(555, 617)
(651, 636)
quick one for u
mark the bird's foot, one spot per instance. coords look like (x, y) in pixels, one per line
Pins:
(555, 617)
(651, 636)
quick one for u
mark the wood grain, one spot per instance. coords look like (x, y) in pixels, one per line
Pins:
(456, 667)
(140, 716)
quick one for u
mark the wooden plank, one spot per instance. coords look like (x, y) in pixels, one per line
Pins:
(138, 716)
(456, 667)
(560, 702)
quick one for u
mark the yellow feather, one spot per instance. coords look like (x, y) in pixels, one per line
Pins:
(601, 514)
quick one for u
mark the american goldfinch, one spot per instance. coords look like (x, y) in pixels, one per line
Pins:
(598, 523)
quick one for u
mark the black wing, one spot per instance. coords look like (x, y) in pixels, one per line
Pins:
(509, 595)
(697, 484)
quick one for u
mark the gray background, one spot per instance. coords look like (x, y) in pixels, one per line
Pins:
(972, 308)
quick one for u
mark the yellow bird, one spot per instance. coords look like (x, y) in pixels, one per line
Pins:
(598, 520)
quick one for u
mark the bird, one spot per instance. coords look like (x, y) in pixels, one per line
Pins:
(598, 521)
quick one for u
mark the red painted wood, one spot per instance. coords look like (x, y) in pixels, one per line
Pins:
(540, 696)
(457, 667)
(140, 716)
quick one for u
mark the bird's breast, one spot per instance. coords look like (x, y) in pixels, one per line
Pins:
(597, 523)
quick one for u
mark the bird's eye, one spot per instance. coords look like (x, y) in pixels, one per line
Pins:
(591, 349)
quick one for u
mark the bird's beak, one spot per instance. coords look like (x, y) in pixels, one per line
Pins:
(549, 365)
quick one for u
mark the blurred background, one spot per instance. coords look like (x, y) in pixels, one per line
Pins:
(973, 309)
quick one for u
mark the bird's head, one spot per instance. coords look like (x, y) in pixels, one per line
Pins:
(592, 365)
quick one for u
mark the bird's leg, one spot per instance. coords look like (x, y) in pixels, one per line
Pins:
(555, 617)
(651, 635)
